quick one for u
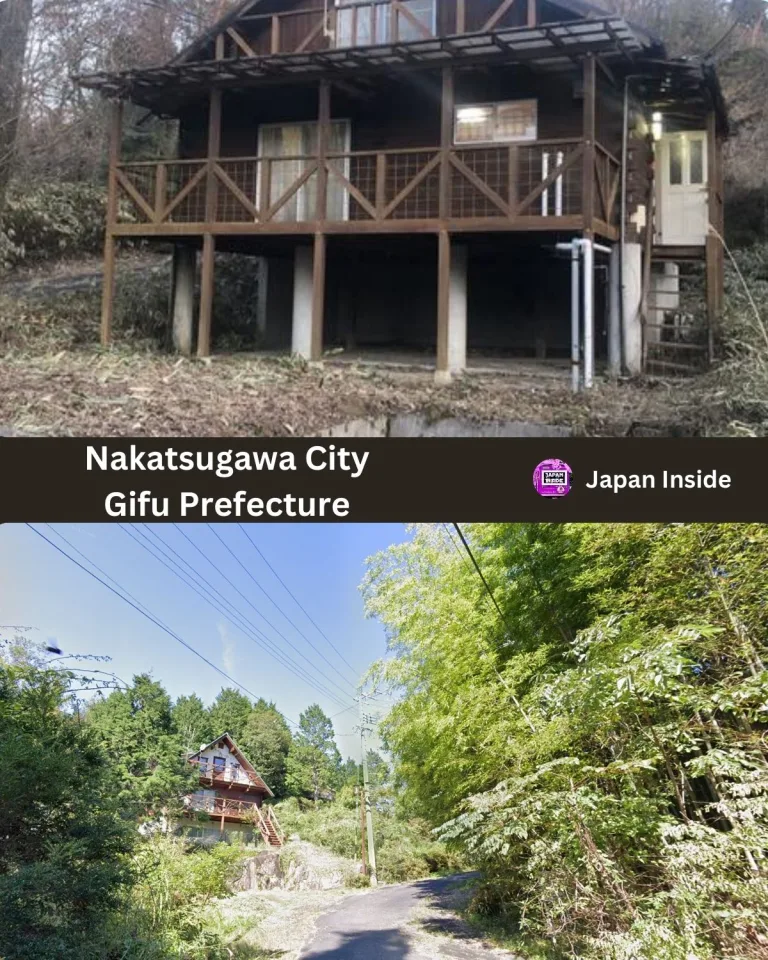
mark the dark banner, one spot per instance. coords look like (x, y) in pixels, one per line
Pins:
(73, 480)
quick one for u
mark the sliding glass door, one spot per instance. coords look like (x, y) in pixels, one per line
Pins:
(292, 148)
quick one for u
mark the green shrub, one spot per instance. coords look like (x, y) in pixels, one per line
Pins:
(171, 911)
(50, 220)
(405, 849)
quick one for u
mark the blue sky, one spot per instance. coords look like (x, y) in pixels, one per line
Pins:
(321, 564)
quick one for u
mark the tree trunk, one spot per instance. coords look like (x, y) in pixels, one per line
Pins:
(15, 20)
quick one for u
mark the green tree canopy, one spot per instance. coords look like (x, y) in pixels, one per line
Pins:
(266, 741)
(314, 761)
(598, 745)
(135, 728)
(192, 722)
(62, 863)
(229, 713)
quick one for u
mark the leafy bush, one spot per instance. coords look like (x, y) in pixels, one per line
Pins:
(170, 912)
(737, 391)
(51, 220)
(63, 856)
(405, 849)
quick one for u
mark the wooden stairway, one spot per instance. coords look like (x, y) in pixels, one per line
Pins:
(270, 828)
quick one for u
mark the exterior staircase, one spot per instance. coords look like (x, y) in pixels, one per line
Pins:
(270, 828)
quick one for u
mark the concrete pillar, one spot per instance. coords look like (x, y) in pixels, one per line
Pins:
(302, 302)
(457, 310)
(456, 326)
(633, 297)
(614, 312)
(183, 297)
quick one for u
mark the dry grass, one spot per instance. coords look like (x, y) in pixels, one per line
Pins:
(56, 381)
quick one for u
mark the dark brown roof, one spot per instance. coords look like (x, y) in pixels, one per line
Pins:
(164, 88)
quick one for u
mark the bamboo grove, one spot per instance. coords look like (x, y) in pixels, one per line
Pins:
(597, 743)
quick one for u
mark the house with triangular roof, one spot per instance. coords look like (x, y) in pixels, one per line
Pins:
(446, 179)
(231, 794)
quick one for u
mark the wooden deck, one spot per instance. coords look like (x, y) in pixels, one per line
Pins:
(537, 186)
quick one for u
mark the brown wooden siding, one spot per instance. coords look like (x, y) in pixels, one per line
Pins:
(399, 115)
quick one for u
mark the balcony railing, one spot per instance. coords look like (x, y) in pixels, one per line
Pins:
(353, 24)
(359, 23)
(242, 811)
(227, 772)
(524, 184)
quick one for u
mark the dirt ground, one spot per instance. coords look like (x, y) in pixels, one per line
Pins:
(124, 393)
(56, 381)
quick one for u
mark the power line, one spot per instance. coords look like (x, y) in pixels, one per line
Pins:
(295, 600)
(249, 602)
(278, 607)
(241, 616)
(237, 560)
(481, 575)
(275, 653)
(153, 619)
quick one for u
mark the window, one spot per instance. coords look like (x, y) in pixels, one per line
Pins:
(292, 147)
(219, 763)
(676, 162)
(697, 162)
(372, 23)
(515, 120)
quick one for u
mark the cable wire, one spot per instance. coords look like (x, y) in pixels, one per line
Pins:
(248, 572)
(241, 616)
(296, 601)
(275, 653)
(153, 619)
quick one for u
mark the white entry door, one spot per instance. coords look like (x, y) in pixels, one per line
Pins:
(684, 196)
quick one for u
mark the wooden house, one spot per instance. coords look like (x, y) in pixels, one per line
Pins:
(231, 794)
(411, 173)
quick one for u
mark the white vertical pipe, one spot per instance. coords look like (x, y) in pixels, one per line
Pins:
(544, 175)
(559, 187)
(575, 318)
(589, 314)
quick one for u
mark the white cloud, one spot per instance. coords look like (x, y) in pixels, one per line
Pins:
(227, 649)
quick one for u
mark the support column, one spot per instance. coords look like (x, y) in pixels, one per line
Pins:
(588, 180)
(211, 211)
(108, 287)
(206, 296)
(446, 141)
(453, 260)
(183, 298)
(633, 298)
(303, 269)
(614, 312)
(457, 310)
(713, 248)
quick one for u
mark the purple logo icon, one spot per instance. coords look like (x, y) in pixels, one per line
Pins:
(553, 479)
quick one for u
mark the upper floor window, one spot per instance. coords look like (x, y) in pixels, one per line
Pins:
(507, 122)
(361, 23)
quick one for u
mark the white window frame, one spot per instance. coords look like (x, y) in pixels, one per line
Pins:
(495, 104)
(302, 193)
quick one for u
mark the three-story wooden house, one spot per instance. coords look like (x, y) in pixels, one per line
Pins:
(411, 171)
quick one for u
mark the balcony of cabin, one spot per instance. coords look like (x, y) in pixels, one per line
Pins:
(319, 25)
(224, 773)
(533, 186)
(235, 811)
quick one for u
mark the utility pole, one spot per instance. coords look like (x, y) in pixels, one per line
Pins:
(358, 792)
(367, 795)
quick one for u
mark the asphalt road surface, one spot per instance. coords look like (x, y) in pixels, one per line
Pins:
(412, 921)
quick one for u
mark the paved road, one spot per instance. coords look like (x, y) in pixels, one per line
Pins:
(414, 921)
